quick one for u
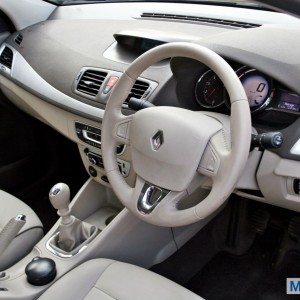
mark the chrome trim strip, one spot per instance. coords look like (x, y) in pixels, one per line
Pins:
(85, 135)
(60, 254)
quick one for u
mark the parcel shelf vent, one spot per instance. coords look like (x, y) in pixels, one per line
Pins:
(19, 39)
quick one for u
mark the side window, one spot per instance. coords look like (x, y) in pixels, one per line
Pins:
(6, 26)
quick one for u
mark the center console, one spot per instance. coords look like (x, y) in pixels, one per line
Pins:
(91, 154)
(112, 232)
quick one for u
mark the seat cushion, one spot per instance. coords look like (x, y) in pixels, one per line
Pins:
(28, 236)
(105, 279)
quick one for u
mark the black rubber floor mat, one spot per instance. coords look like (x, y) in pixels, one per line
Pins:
(248, 276)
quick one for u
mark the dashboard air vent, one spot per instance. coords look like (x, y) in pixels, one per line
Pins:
(139, 90)
(6, 57)
(171, 17)
(90, 82)
(19, 39)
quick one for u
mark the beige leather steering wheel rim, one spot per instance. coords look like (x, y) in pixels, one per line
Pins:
(159, 170)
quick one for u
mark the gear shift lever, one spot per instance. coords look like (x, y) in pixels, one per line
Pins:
(72, 232)
(60, 199)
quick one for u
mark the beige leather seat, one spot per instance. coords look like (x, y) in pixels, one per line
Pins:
(105, 279)
(28, 236)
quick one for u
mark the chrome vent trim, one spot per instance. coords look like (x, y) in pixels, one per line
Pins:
(19, 39)
(91, 82)
(6, 57)
(202, 20)
(139, 90)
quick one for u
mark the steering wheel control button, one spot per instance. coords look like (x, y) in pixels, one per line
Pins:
(124, 167)
(110, 84)
(150, 197)
(122, 130)
(209, 162)
(40, 271)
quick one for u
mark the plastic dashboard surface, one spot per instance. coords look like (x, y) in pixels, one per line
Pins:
(81, 43)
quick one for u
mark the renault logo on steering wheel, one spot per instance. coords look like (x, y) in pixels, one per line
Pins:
(157, 140)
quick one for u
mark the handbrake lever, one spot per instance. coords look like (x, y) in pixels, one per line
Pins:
(10, 231)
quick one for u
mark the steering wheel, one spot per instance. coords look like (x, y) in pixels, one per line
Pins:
(172, 148)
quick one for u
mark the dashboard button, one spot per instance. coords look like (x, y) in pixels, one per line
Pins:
(110, 84)
(92, 171)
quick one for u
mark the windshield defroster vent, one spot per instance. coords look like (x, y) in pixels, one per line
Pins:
(202, 20)
(139, 90)
(6, 57)
(19, 39)
(90, 82)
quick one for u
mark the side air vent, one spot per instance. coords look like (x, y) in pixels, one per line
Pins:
(19, 39)
(139, 90)
(202, 20)
(90, 82)
(6, 57)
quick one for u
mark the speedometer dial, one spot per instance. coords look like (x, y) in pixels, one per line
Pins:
(209, 90)
(258, 88)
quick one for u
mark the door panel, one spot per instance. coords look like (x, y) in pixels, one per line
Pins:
(6, 27)
(18, 146)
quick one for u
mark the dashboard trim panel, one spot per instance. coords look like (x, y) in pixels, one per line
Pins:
(23, 74)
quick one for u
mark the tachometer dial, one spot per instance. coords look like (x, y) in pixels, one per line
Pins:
(209, 90)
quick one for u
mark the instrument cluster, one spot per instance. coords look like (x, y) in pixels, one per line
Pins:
(210, 92)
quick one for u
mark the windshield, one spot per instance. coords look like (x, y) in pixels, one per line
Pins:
(242, 3)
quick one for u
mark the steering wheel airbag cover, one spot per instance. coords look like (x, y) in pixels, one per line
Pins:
(184, 135)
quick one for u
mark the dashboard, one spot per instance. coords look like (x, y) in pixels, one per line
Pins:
(62, 71)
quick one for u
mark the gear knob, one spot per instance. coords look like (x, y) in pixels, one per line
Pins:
(59, 197)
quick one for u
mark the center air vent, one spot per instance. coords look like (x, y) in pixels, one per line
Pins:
(90, 82)
(6, 57)
(139, 90)
(195, 19)
(19, 39)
